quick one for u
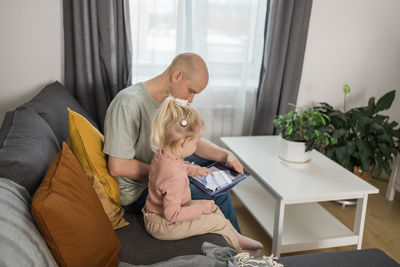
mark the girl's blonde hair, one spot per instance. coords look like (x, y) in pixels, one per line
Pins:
(169, 127)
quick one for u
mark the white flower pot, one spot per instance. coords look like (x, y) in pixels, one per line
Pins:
(293, 152)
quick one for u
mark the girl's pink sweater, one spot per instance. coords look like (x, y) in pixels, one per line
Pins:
(169, 193)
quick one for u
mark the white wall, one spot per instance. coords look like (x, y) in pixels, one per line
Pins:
(31, 49)
(355, 42)
(349, 41)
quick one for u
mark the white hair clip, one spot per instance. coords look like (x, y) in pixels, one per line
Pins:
(181, 102)
(184, 123)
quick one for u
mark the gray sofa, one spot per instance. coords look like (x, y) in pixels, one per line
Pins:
(30, 138)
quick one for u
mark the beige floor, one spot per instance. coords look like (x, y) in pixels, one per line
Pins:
(382, 225)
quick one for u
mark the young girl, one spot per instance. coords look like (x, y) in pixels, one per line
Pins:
(169, 212)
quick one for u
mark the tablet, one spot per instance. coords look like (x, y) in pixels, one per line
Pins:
(222, 180)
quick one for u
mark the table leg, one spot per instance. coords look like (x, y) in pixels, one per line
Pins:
(360, 219)
(392, 181)
(278, 227)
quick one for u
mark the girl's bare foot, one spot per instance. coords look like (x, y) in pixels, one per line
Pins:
(247, 243)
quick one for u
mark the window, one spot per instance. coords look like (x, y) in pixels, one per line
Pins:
(228, 34)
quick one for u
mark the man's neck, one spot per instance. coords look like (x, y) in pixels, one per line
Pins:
(158, 87)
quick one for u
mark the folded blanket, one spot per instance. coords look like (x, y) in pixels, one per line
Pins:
(216, 256)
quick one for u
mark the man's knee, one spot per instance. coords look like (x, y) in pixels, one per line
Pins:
(223, 200)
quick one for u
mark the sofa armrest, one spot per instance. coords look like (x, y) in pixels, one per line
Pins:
(352, 258)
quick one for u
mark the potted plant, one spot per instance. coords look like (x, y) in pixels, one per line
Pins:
(300, 133)
(364, 137)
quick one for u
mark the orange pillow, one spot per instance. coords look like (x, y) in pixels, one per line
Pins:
(70, 217)
(114, 212)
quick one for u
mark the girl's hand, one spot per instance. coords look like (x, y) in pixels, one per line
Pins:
(202, 171)
(208, 206)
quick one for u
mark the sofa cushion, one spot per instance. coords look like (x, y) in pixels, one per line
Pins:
(29, 146)
(87, 144)
(114, 212)
(21, 243)
(71, 218)
(138, 247)
(5, 126)
(51, 103)
(351, 258)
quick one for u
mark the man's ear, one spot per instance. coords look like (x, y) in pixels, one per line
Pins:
(177, 75)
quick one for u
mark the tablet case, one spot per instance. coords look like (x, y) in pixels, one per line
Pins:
(239, 177)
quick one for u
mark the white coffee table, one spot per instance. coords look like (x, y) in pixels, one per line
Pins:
(284, 199)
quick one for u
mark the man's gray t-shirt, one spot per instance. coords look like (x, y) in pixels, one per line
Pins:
(127, 129)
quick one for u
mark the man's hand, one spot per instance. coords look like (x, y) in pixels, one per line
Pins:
(233, 162)
(207, 150)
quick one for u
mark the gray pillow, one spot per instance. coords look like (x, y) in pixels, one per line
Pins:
(8, 118)
(20, 242)
(28, 148)
(51, 104)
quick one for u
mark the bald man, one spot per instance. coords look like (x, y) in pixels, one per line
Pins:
(127, 129)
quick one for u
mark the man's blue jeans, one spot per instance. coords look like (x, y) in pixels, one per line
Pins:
(224, 201)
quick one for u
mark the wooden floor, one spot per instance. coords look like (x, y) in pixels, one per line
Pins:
(381, 230)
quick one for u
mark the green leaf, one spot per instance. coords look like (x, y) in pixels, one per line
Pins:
(371, 106)
(362, 146)
(333, 141)
(342, 156)
(289, 129)
(393, 124)
(338, 133)
(371, 102)
(351, 147)
(385, 101)
(326, 105)
(377, 127)
(385, 149)
(396, 133)
(380, 118)
(364, 153)
(382, 164)
(385, 138)
(331, 153)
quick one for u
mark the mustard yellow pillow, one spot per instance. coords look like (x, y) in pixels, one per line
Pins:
(114, 212)
(87, 146)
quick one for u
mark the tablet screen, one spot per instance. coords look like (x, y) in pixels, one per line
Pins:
(222, 177)
(232, 174)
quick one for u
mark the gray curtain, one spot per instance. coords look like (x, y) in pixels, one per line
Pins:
(97, 50)
(285, 40)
